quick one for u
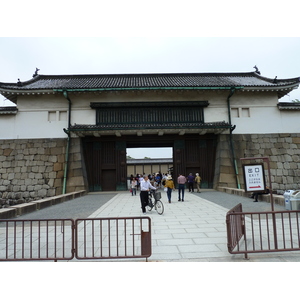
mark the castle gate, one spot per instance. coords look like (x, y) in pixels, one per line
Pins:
(119, 126)
(105, 158)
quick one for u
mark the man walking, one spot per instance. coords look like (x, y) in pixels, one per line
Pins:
(145, 188)
(181, 180)
(190, 180)
(198, 182)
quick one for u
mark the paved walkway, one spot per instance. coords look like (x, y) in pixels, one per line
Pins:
(193, 230)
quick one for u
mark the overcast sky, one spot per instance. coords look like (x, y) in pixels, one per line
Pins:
(112, 55)
(124, 40)
(172, 36)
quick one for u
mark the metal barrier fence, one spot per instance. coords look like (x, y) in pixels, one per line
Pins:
(255, 232)
(36, 239)
(113, 238)
(64, 239)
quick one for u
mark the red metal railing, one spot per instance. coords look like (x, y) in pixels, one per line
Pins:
(113, 238)
(63, 239)
(235, 227)
(36, 239)
(254, 232)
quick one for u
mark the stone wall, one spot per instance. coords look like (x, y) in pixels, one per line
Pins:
(34, 169)
(283, 151)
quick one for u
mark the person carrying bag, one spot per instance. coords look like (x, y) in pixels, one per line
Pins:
(169, 184)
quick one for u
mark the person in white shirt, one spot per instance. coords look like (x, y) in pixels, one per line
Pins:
(145, 188)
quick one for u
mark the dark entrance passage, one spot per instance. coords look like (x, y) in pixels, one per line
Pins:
(105, 157)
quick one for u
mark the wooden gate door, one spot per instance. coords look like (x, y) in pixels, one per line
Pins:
(108, 181)
(105, 162)
(196, 155)
(92, 158)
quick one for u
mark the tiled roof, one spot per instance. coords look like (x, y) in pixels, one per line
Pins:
(136, 81)
(152, 128)
(134, 161)
(8, 110)
(161, 125)
(288, 105)
(117, 82)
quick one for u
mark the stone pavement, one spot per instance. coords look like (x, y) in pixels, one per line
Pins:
(193, 230)
(189, 231)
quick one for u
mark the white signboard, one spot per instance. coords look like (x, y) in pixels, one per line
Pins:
(254, 178)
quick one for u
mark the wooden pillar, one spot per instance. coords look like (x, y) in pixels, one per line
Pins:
(121, 167)
(179, 159)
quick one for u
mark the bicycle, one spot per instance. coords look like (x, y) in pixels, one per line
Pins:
(154, 201)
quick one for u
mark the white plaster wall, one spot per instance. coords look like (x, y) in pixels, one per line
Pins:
(32, 125)
(290, 121)
(7, 126)
(257, 113)
(263, 115)
(32, 119)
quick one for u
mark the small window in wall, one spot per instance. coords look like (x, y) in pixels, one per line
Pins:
(235, 112)
(62, 116)
(57, 116)
(245, 113)
(238, 112)
(52, 116)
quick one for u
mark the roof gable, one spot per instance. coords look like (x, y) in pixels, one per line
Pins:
(58, 83)
(148, 80)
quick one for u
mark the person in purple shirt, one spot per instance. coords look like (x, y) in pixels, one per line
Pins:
(190, 180)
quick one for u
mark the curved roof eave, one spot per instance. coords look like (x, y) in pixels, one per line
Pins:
(48, 84)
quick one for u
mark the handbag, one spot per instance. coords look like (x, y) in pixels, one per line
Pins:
(165, 189)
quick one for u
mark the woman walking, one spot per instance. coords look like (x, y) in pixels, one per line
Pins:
(170, 185)
(133, 187)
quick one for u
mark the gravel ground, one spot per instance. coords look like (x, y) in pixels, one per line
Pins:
(77, 208)
(83, 207)
(230, 200)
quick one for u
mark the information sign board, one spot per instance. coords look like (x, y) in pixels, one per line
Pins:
(254, 176)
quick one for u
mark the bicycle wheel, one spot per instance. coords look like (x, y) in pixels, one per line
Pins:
(150, 204)
(159, 207)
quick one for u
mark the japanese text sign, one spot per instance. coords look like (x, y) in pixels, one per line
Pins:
(254, 178)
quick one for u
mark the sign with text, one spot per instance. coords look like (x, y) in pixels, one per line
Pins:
(254, 176)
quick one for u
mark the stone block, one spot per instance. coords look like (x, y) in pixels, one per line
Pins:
(52, 158)
(57, 167)
(7, 152)
(296, 140)
(51, 192)
(25, 208)
(229, 178)
(52, 175)
(42, 168)
(76, 181)
(56, 151)
(42, 203)
(42, 193)
(6, 213)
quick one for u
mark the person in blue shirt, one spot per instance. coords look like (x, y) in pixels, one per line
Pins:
(190, 180)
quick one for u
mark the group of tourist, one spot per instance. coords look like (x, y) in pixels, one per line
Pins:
(158, 180)
(155, 179)
(190, 180)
